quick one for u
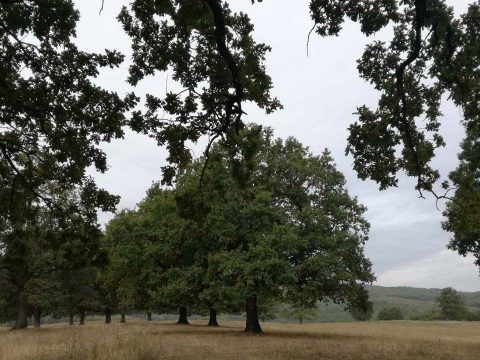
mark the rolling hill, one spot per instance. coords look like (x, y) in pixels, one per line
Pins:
(410, 300)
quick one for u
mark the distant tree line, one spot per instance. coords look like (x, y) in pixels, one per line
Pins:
(390, 313)
(451, 306)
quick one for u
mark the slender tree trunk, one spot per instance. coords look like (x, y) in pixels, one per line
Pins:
(300, 320)
(252, 324)
(149, 316)
(122, 318)
(82, 317)
(108, 316)
(37, 315)
(22, 311)
(212, 321)
(71, 322)
(182, 319)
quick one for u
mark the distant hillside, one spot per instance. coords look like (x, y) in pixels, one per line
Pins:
(410, 301)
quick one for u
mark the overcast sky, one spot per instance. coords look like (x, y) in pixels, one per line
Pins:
(319, 93)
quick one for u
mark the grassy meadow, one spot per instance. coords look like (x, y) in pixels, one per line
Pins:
(140, 340)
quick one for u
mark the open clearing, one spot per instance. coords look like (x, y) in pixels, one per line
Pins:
(163, 340)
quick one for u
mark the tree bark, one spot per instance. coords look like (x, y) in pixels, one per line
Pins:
(22, 311)
(182, 319)
(37, 315)
(149, 316)
(108, 316)
(122, 318)
(212, 320)
(82, 317)
(71, 322)
(252, 325)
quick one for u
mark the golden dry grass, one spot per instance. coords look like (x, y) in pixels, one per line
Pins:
(162, 340)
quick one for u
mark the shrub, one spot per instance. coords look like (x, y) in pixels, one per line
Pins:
(390, 313)
(428, 315)
(473, 316)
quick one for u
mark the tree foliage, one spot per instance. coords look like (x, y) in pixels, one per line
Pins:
(215, 61)
(279, 224)
(390, 313)
(47, 264)
(256, 219)
(53, 116)
(463, 211)
(432, 54)
(272, 223)
(452, 305)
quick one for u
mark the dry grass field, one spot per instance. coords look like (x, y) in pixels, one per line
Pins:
(163, 340)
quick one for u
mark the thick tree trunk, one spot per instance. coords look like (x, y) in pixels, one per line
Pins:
(182, 319)
(37, 315)
(108, 316)
(22, 311)
(71, 322)
(122, 318)
(82, 317)
(149, 316)
(212, 320)
(252, 324)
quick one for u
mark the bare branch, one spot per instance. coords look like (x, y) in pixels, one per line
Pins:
(308, 36)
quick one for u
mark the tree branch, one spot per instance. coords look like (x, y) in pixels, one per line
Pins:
(48, 202)
(220, 35)
(420, 10)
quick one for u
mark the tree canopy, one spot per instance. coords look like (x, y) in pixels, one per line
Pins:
(432, 54)
(215, 60)
(255, 219)
(53, 117)
(289, 232)
(452, 305)
(275, 224)
(47, 264)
